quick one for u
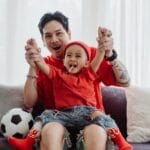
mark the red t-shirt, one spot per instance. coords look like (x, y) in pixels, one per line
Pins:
(73, 89)
(45, 85)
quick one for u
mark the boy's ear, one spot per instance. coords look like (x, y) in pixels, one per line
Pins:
(87, 63)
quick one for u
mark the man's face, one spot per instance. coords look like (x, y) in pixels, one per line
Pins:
(55, 37)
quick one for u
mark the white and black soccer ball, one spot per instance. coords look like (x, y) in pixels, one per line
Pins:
(16, 122)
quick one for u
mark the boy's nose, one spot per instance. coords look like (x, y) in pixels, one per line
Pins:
(72, 58)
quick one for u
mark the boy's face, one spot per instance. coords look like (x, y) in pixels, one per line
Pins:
(55, 38)
(75, 59)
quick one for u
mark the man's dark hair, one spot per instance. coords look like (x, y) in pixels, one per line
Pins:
(58, 16)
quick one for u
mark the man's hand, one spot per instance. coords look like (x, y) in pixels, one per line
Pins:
(34, 57)
(105, 41)
(32, 54)
(31, 43)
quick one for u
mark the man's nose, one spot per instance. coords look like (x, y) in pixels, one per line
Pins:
(54, 38)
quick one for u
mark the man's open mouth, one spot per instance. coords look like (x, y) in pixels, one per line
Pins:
(56, 48)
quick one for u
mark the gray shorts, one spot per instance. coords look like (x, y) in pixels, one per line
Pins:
(76, 117)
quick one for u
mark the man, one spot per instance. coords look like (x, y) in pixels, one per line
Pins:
(55, 34)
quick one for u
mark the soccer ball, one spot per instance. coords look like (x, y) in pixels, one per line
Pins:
(16, 122)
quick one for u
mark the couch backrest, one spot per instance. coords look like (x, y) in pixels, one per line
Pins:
(10, 97)
(114, 101)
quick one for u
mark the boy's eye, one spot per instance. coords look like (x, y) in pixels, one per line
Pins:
(68, 55)
(78, 56)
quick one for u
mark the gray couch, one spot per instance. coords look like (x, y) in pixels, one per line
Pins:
(114, 102)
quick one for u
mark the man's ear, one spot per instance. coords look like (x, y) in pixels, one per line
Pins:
(43, 41)
(87, 63)
(69, 33)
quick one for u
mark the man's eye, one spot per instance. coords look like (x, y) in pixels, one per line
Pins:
(48, 36)
(59, 33)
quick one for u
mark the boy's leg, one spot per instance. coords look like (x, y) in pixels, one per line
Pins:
(28, 142)
(94, 137)
(113, 131)
(117, 137)
(23, 144)
(80, 145)
(52, 136)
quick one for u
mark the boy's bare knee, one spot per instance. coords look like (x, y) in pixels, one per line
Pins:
(92, 135)
(94, 128)
(52, 136)
(96, 113)
(53, 128)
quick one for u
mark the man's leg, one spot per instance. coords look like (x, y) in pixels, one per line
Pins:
(52, 136)
(95, 137)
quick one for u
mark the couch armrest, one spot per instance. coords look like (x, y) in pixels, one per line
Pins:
(114, 101)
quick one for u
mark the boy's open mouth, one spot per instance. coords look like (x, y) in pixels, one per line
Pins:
(72, 66)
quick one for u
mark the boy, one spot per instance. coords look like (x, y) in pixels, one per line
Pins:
(74, 96)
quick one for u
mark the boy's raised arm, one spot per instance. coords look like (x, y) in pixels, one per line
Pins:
(100, 52)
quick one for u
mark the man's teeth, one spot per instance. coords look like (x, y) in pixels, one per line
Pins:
(56, 48)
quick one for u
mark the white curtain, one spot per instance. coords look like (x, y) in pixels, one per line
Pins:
(18, 22)
(127, 19)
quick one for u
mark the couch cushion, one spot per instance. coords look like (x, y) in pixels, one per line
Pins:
(4, 144)
(10, 97)
(138, 114)
(140, 146)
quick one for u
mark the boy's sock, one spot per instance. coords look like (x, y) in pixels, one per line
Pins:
(118, 138)
(24, 144)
